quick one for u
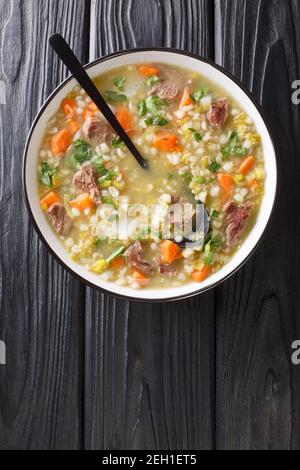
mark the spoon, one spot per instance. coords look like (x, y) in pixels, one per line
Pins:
(202, 219)
(65, 53)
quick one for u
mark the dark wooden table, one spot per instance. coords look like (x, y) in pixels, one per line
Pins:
(87, 371)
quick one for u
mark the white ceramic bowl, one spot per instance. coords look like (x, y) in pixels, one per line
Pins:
(171, 57)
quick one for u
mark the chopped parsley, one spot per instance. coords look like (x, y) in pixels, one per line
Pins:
(104, 174)
(119, 83)
(214, 214)
(197, 136)
(186, 176)
(108, 176)
(117, 142)
(47, 173)
(82, 152)
(97, 164)
(199, 94)
(151, 80)
(214, 166)
(142, 108)
(100, 242)
(200, 179)
(156, 121)
(213, 243)
(114, 97)
(154, 104)
(233, 147)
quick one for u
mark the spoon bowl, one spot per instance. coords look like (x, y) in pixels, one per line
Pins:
(200, 229)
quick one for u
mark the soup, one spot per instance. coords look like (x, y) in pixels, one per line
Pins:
(118, 219)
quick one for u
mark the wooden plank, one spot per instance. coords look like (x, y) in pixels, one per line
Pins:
(41, 305)
(149, 377)
(258, 310)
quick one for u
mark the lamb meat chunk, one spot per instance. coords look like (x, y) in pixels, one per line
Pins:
(84, 180)
(59, 219)
(97, 131)
(236, 218)
(134, 257)
(167, 270)
(165, 90)
(218, 113)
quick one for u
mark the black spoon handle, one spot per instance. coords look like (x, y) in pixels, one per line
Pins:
(68, 57)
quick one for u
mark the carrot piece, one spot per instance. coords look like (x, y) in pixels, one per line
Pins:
(61, 141)
(253, 185)
(169, 252)
(125, 118)
(49, 200)
(186, 99)
(73, 126)
(93, 108)
(226, 182)
(165, 141)
(86, 113)
(148, 70)
(90, 110)
(140, 278)
(83, 201)
(247, 166)
(200, 275)
(117, 263)
(68, 106)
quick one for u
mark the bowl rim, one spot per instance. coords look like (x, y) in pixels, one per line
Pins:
(107, 58)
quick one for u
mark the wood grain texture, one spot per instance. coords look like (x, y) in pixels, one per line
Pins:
(210, 371)
(41, 305)
(149, 375)
(258, 310)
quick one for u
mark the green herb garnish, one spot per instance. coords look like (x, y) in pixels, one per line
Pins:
(156, 121)
(142, 108)
(214, 166)
(199, 94)
(114, 97)
(214, 214)
(47, 173)
(115, 254)
(210, 247)
(186, 176)
(82, 152)
(119, 83)
(117, 142)
(108, 176)
(233, 147)
(101, 241)
(197, 136)
(200, 179)
(154, 104)
(151, 80)
(97, 164)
